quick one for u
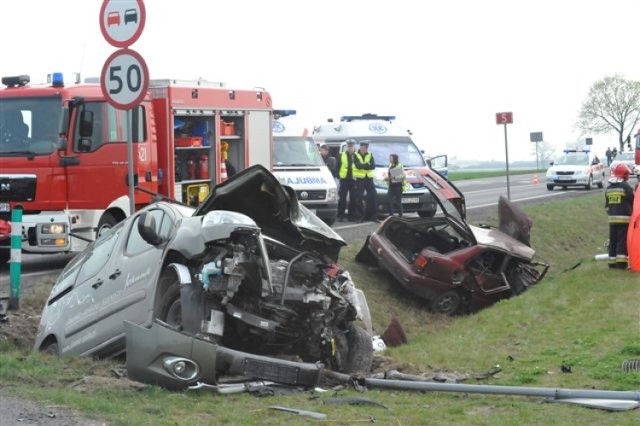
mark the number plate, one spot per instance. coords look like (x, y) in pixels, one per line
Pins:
(565, 177)
(410, 200)
(5, 208)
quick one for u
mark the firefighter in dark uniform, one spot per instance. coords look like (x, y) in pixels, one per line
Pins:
(619, 205)
(344, 165)
(364, 165)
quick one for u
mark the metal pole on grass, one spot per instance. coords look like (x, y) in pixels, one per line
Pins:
(130, 177)
(16, 258)
(506, 150)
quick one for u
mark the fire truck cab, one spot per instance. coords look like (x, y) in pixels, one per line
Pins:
(385, 137)
(298, 163)
(63, 152)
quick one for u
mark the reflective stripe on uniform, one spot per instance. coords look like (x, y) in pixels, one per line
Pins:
(619, 219)
(362, 173)
(344, 166)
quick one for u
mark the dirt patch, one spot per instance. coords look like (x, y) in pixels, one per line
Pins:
(20, 328)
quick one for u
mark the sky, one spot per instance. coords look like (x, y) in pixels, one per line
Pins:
(443, 68)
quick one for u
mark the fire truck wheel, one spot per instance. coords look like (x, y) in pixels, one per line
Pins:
(107, 221)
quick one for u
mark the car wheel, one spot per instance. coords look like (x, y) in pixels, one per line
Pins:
(169, 308)
(601, 183)
(550, 187)
(448, 303)
(357, 356)
(589, 184)
(426, 213)
(50, 348)
(107, 221)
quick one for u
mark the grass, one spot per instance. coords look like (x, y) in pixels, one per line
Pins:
(585, 318)
(462, 175)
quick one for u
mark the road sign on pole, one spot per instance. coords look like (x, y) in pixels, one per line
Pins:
(122, 21)
(124, 79)
(505, 118)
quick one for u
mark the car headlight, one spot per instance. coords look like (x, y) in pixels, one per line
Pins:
(332, 194)
(550, 172)
(53, 228)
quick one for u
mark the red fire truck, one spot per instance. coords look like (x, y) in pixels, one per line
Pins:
(63, 153)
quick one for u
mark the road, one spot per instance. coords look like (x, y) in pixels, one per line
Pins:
(479, 193)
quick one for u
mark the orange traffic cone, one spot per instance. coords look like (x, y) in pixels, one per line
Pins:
(535, 180)
(223, 172)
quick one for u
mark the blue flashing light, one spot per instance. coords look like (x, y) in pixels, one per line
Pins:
(575, 151)
(279, 113)
(57, 80)
(348, 118)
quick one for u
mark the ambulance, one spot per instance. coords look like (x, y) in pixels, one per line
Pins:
(298, 164)
(385, 137)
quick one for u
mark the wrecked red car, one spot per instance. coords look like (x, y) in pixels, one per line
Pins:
(454, 266)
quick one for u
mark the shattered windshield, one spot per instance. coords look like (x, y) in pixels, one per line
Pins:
(29, 126)
(296, 151)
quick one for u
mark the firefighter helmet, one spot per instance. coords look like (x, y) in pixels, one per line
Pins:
(621, 171)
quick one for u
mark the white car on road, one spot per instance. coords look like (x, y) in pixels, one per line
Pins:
(576, 168)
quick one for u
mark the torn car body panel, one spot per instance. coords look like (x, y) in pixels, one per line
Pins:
(215, 276)
(449, 263)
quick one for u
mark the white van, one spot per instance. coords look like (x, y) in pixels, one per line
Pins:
(298, 164)
(385, 137)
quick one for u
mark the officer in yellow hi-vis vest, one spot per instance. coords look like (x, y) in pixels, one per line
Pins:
(363, 168)
(344, 165)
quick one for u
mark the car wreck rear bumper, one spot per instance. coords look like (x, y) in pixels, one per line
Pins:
(161, 355)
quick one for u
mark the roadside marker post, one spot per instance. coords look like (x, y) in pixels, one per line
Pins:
(16, 258)
(506, 118)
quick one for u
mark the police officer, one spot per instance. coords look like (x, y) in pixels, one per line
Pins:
(347, 183)
(364, 165)
(619, 205)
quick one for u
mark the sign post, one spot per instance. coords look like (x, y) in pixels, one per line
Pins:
(537, 138)
(125, 77)
(506, 118)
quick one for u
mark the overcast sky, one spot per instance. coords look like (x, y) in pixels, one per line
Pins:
(444, 68)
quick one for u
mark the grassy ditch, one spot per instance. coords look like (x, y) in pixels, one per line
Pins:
(582, 316)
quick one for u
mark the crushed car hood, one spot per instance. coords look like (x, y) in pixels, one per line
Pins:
(495, 238)
(257, 193)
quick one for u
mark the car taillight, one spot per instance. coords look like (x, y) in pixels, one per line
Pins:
(421, 262)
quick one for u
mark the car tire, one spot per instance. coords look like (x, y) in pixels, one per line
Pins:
(50, 348)
(589, 184)
(448, 303)
(168, 309)
(107, 221)
(550, 187)
(601, 183)
(359, 351)
(426, 213)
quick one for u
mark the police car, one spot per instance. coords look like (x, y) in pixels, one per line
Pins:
(298, 164)
(576, 168)
(385, 137)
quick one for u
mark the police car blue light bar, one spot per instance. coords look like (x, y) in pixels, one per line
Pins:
(567, 151)
(348, 118)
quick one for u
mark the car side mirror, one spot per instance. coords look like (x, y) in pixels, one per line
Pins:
(86, 124)
(551, 163)
(147, 229)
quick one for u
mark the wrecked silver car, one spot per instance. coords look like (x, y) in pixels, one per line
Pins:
(453, 266)
(247, 284)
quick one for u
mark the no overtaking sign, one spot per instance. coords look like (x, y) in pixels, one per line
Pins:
(122, 21)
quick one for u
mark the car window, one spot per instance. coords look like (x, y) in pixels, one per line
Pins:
(97, 258)
(136, 244)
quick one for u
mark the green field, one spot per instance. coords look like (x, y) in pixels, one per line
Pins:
(582, 316)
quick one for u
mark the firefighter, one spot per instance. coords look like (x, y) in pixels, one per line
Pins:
(619, 205)
(364, 166)
(347, 183)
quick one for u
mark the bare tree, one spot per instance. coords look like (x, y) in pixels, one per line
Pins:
(613, 104)
(546, 152)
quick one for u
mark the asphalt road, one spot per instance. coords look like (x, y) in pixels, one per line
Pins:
(479, 193)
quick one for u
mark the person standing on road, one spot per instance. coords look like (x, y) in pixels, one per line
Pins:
(396, 179)
(608, 154)
(329, 161)
(619, 205)
(347, 182)
(364, 165)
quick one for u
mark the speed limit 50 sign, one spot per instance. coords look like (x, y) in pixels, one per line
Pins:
(124, 79)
